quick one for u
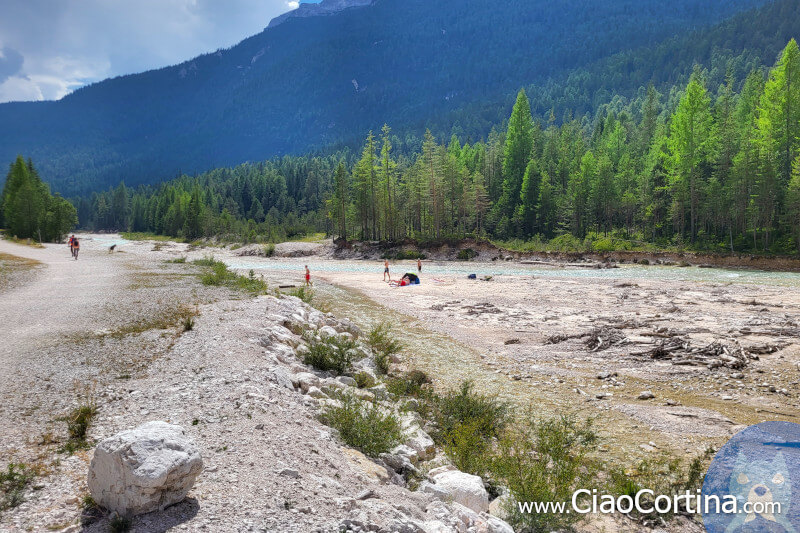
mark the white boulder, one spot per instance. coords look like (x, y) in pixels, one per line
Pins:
(463, 488)
(144, 469)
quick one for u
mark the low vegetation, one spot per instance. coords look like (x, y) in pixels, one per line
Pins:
(306, 294)
(217, 274)
(663, 474)
(13, 482)
(364, 425)
(545, 460)
(403, 255)
(335, 353)
(383, 344)
(466, 254)
(78, 421)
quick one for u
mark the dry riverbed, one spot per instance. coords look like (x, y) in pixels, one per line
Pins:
(717, 349)
(110, 327)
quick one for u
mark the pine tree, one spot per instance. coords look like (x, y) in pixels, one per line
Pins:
(341, 199)
(690, 143)
(793, 203)
(779, 112)
(516, 155)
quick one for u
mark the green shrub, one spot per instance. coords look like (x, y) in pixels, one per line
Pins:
(334, 353)
(663, 474)
(567, 243)
(468, 450)
(188, 323)
(364, 380)
(364, 426)
(13, 482)
(466, 254)
(177, 260)
(409, 384)
(544, 461)
(383, 345)
(269, 250)
(306, 294)
(463, 406)
(403, 255)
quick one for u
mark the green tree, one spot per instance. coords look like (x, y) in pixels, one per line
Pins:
(516, 154)
(690, 143)
(779, 112)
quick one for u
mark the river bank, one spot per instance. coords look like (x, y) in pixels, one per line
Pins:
(484, 251)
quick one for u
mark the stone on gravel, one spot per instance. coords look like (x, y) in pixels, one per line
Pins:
(327, 332)
(646, 395)
(282, 378)
(422, 443)
(144, 469)
(305, 380)
(316, 392)
(463, 488)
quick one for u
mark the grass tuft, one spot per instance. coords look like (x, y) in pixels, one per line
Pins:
(79, 420)
(218, 275)
(13, 482)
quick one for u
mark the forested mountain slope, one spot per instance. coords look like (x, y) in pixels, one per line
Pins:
(325, 81)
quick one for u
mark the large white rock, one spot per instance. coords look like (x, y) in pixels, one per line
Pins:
(463, 488)
(144, 469)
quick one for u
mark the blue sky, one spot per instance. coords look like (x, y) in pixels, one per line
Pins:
(51, 47)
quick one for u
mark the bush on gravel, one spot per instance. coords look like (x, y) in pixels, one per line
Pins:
(463, 406)
(544, 461)
(363, 425)
(383, 345)
(335, 353)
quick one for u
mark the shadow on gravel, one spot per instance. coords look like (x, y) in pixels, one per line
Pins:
(155, 522)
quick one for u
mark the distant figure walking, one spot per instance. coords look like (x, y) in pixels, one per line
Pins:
(71, 240)
(308, 277)
(76, 247)
(419, 266)
(386, 270)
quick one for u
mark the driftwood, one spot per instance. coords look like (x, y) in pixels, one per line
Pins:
(596, 340)
(714, 355)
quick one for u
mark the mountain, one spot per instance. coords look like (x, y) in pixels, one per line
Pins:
(314, 82)
(326, 7)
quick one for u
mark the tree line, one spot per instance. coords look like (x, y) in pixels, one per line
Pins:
(714, 168)
(29, 211)
(696, 166)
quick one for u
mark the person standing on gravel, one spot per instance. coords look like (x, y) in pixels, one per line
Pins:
(386, 270)
(419, 266)
(308, 277)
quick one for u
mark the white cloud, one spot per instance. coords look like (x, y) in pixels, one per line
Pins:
(70, 43)
(293, 5)
(16, 89)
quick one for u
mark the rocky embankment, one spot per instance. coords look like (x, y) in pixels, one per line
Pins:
(237, 386)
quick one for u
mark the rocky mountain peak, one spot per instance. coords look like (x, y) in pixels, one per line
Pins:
(326, 7)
